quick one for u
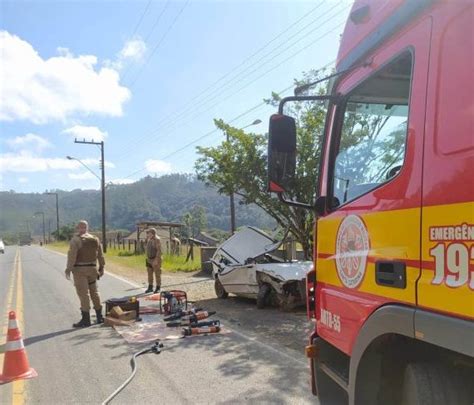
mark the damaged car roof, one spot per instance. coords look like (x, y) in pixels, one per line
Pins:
(246, 244)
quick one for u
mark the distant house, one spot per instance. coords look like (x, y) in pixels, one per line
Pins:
(208, 239)
(164, 230)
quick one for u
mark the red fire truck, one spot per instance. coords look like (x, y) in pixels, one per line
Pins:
(392, 291)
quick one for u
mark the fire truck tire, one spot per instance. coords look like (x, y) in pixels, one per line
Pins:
(219, 289)
(263, 295)
(433, 384)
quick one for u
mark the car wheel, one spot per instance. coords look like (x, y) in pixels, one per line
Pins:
(433, 384)
(263, 295)
(219, 289)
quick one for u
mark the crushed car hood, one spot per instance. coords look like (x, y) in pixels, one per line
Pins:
(286, 271)
(248, 243)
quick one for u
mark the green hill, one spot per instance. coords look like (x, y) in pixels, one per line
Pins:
(165, 198)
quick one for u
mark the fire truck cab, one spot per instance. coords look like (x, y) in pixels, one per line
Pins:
(392, 290)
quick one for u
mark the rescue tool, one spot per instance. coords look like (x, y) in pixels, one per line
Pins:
(181, 314)
(204, 330)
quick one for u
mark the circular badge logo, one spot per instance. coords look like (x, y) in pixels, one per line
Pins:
(352, 248)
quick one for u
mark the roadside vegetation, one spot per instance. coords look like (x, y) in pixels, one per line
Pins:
(125, 258)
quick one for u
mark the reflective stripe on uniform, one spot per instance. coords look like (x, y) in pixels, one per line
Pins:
(14, 345)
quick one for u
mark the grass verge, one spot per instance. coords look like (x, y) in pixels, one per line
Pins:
(128, 259)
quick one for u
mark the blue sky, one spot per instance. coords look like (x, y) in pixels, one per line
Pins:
(147, 77)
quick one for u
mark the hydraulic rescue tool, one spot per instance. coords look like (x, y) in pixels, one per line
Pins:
(190, 319)
(203, 330)
(181, 314)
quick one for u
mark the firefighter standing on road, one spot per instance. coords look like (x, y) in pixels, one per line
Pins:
(84, 252)
(153, 259)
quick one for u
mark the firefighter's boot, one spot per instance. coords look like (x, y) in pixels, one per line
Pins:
(85, 320)
(149, 289)
(99, 317)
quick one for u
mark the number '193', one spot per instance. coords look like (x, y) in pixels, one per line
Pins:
(452, 265)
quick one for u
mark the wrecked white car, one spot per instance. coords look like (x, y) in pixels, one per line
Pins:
(247, 265)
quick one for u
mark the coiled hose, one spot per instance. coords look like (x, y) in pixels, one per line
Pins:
(156, 348)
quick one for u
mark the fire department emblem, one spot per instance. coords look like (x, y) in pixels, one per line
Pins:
(352, 248)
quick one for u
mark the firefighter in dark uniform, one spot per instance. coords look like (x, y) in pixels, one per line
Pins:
(84, 252)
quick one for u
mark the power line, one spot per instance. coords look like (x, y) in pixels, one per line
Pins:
(234, 119)
(196, 113)
(157, 21)
(159, 43)
(230, 83)
(135, 31)
(195, 108)
(209, 133)
(141, 18)
(254, 54)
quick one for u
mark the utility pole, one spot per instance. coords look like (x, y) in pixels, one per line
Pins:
(57, 213)
(102, 181)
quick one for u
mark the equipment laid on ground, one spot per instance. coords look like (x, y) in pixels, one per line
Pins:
(177, 324)
(181, 314)
(190, 319)
(125, 303)
(203, 330)
(173, 301)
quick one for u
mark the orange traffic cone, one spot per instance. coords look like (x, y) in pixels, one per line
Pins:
(15, 365)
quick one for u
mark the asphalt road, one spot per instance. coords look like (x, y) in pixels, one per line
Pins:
(86, 365)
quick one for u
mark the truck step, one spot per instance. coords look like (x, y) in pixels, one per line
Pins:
(339, 378)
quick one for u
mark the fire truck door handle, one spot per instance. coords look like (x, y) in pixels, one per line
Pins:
(390, 274)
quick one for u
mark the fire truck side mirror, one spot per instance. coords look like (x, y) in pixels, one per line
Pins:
(281, 153)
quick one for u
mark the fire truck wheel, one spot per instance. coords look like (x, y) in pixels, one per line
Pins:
(433, 384)
(220, 290)
(262, 296)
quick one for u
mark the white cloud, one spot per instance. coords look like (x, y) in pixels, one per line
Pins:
(122, 181)
(157, 166)
(24, 162)
(22, 179)
(44, 90)
(87, 133)
(82, 176)
(133, 49)
(37, 142)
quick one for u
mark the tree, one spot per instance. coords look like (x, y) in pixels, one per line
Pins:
(239, 165)
(65, 232)
(195, 221)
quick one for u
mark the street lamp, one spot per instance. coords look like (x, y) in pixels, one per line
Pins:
(102, 186)
(256, 122)
(44, 230)
(83, 164)
(231, 196)
(57, 213)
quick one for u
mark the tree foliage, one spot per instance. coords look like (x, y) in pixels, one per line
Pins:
(239, 165)
(194, 221)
